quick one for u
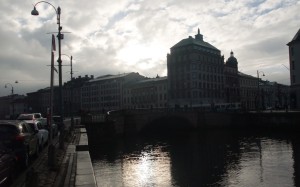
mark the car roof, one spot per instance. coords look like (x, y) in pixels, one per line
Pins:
(29, 114)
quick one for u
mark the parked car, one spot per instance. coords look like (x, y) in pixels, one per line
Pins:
(45, 125)
(27, 117)
(20, 138)
(42, 134)
(7, 164)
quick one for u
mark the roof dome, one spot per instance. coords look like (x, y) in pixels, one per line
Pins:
(232, 61)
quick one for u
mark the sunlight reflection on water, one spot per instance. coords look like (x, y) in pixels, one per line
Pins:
(211, 159)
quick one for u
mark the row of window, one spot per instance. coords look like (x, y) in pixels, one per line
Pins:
(247, 82)
(195, 67)
(197, 94)
(145, 99)
(195, 84)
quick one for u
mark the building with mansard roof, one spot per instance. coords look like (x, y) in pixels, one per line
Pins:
(195, 73)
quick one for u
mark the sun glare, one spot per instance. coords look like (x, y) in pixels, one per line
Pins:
(142, 55)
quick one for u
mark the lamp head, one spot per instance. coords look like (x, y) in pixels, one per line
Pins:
(34, 12)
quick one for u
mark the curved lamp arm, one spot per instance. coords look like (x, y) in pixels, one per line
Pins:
(34, 12)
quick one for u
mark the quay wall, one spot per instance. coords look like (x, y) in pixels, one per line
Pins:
(129, 123)
(279, 120)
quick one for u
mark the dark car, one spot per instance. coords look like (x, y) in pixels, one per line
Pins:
(20, 138)
(7, 165)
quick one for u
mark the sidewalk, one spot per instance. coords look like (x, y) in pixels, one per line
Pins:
(39, 174)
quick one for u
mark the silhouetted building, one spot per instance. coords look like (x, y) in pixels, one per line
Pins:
(11, 106)
(294, 54)
(248, 91)
(274, 95)
(72, 94)
(146, 94)
(106, 92)
(232, 84)
(195, 73)
(39, 101)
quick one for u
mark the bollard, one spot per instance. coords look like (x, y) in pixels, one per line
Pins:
(32, 178)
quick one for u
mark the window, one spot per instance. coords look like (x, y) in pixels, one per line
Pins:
(194, 75)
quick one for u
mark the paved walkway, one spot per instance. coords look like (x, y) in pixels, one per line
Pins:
(39, 174)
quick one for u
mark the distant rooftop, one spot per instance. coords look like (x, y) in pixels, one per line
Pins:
(106, 77)
(245, 75)
(152, 80)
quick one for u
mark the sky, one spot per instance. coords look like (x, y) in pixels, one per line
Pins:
(115, 37)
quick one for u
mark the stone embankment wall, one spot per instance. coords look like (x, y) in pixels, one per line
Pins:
(127, 124)
(275, 121)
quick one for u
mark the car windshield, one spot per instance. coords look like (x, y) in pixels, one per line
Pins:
(37, 115)
(25, 117)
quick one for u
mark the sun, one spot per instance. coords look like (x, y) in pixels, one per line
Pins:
(144, 56)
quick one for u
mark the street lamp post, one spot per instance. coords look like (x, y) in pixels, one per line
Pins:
(12, 97)
(71, 104)
(59, 37)
(258, 91)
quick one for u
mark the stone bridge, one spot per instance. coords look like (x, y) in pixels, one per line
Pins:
(126, 122)
(136, 121)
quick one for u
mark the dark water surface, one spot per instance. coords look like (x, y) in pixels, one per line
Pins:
(210, 158)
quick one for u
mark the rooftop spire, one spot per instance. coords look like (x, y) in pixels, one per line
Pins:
(199, 36)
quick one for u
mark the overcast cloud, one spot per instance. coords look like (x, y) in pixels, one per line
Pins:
(112, 37)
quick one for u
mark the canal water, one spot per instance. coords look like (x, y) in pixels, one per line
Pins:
(210, 158)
